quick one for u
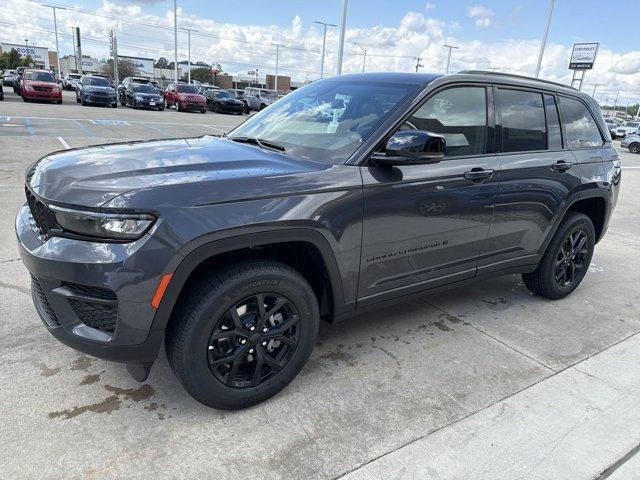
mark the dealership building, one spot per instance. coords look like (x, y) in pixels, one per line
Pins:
(42, 57)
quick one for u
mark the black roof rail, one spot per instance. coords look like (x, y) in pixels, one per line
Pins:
(513, 75)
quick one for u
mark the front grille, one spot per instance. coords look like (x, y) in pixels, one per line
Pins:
(43, 217)
(48, 314)
(100, 316)
(42, 89)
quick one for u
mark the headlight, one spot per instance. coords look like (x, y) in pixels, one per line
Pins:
(103, 225)
(139, 97)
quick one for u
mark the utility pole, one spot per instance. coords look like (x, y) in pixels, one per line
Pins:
(343, 26)
(418, 64)
(275, 86)
(544, 37)
(55, 28)
(450, 47)
(114, 53)
(364, 61)
(75, 57)
(189, 30)
(175, 38)
(593, 94)
(615, 104)
(324, 41)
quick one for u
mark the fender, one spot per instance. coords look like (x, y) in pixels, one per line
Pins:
(189, 262)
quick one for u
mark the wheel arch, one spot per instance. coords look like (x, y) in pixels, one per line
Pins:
(305, 250)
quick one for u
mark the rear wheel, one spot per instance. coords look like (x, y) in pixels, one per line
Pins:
(243, 334)
(123, 101)
(246, 107)
(178, 107)
(566, 260)
(634, 147)
(59, 102)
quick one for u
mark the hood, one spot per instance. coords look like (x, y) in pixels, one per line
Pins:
(147, 95)
(98, 89)
(169, 172)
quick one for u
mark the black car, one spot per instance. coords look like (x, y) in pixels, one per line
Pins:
(96, 90)
(143, 95)
(231, 250)
(222, 101)
(17, 79)
(128, 81)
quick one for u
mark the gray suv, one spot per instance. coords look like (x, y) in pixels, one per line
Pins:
(348, 194)
(258, 98)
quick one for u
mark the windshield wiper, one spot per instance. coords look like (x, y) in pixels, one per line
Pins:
(259, 142)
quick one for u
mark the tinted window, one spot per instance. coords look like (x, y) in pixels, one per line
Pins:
(523, 121)
(580, 127)
(186, 89)
(96, 81)
(39, 76)
(553, 122)
(144, 88)
(459, 115)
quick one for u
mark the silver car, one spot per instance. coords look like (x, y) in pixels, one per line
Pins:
(8, 77)
(632, 142)
(258, 98)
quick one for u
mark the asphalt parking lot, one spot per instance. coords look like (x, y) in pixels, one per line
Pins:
(487, 381)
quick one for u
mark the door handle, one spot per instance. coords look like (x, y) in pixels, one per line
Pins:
(561, 166)
(478, 175)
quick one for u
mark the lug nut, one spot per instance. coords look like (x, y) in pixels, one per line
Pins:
(265, 330)
(251, 350)
(264, 344)
(243, 341)
(252, 328)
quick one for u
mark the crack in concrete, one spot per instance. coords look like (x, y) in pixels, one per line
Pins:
(16, 288)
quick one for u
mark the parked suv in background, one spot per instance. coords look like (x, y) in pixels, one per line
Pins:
(184, 97)
(8, 77)
(96, 90)
(70, 81)
(128, 81)
(40, 85)
(258, 98)
(628, 128)
(350, 193)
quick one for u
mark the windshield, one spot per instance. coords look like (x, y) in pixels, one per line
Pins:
(186, 89)
(144, 88)
(268, 93)
(39, 76)
(325, 121)
(96, 81)
(224, 95)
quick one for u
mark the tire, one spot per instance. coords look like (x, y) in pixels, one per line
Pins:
(634, 147)
(161, 109)
(83, 101)
(204, 110)
(77, 99)
(59, 102)
(114, 105)
(178, 107)
(25, 99)
(542, 280)
(189, 343)
(215, 108)
(123, 101)
(133, 104)
(262, 106)
(166, 105)
(246, 107)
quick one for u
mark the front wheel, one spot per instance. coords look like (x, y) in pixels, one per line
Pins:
(566, 260)
(634, 147)
(243, 334)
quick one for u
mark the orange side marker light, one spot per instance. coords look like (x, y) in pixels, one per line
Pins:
(162, 287)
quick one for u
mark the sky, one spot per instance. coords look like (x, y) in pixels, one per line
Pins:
(491, 34)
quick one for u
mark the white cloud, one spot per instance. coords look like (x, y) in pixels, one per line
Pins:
(390, 47)
(429, 6)
(483, 16)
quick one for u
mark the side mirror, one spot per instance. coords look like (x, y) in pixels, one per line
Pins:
(412, 147)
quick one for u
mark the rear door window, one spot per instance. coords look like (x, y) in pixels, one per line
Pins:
(553, 123)
(580, 127)
(523, 121)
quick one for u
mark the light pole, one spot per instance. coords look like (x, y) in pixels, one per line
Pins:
(364, 60)
(175, 38)
(55, 28)
(450, 47)
(189, 30)
(594, 89)
(343, 26)
(544, 37)
(324, 41)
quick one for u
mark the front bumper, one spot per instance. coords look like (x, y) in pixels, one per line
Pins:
(100, 99)
(147, 103)
(38, 95)
(192, 105)
(95, 297)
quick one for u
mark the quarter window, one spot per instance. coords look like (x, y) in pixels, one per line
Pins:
(459, 115)
(582, 130)
(523, 121)
(553, 123)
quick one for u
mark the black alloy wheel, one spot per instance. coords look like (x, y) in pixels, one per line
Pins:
(253, 340)
(634, 147)
(570, 259)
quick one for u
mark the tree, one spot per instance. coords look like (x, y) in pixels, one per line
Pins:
(204, 75)
(10, 59)
(26, 61)
(161, 63)
(126, 68)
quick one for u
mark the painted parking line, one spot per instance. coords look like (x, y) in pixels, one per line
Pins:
(84, 128)
(109, 122)
(64, 143)
(30, 129)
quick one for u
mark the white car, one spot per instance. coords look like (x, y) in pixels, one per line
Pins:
(71, 80)
(628, 128)
(8, 77)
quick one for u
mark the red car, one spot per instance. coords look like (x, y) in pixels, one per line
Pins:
(184, 97)
(40, 85)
